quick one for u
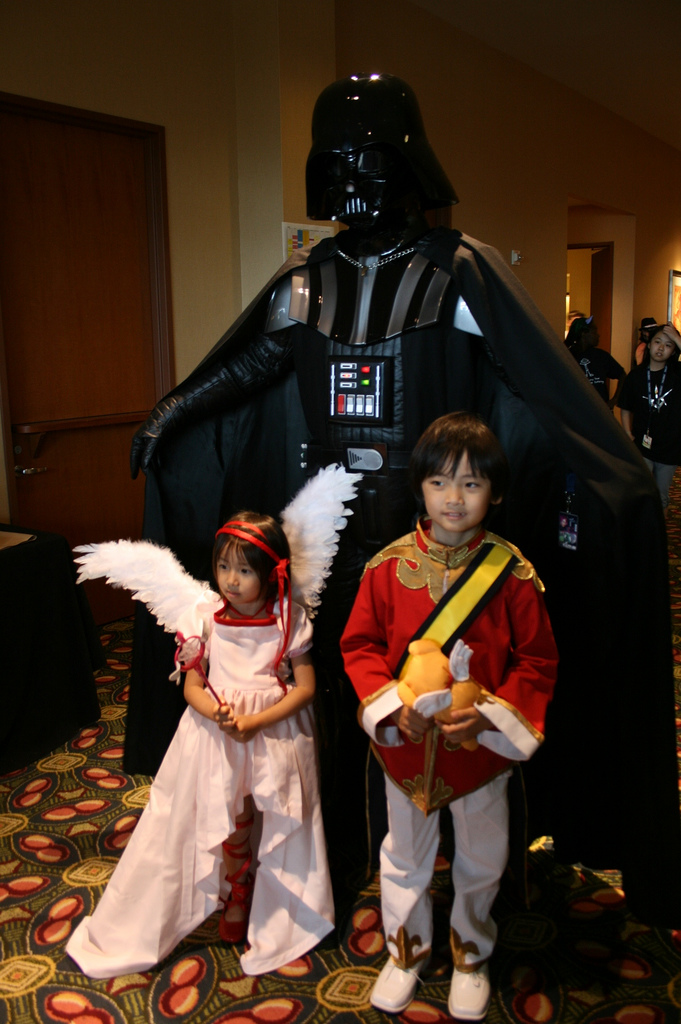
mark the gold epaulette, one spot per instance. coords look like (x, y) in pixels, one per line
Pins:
(403, 547)
(417, 568)
(524, 570)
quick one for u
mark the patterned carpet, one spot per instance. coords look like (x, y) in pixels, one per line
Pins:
(576, 955)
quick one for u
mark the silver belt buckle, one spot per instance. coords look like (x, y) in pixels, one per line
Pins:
(364, 460)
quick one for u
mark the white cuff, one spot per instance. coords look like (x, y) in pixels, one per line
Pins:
(374, 714)
(513, 740)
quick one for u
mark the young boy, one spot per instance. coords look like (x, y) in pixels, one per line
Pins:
(651, 407)
(449, 579)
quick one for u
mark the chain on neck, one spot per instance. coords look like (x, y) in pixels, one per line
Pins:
(381, 262)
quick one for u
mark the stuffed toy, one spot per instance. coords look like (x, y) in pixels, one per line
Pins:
(435, 685)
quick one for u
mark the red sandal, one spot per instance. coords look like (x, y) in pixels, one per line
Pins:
(242, 891)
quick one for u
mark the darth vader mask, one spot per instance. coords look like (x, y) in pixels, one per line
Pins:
(369, 152)
(359, 185)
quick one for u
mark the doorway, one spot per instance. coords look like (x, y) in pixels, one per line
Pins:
(85, 344)
(590, 276)
(588, 221)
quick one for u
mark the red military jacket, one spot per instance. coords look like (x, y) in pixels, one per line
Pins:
(514, 661)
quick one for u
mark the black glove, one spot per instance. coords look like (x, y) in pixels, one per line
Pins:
(217, 385)
(147, 436)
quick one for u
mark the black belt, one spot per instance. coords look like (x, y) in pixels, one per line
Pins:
(351, 456)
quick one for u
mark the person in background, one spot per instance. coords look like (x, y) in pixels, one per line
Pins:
(651, 408)
(644, 334)
(572, 315)
(599, 366)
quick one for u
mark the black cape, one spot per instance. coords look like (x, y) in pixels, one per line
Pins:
(604, 784)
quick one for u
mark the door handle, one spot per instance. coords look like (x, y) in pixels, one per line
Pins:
(29, 470)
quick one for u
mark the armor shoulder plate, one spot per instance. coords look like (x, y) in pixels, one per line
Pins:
(464, 319)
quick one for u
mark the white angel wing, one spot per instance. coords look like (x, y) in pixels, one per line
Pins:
(312, 522)
(459, 660)
(152, 573)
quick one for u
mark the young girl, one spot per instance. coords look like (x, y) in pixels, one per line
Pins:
(243, 754)
(250, 559)
(450, 580)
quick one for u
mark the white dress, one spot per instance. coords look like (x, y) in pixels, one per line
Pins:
(171, 874)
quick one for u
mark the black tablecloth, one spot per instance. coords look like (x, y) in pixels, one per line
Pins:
(50, 648)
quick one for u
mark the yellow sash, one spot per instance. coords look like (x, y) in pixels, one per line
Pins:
(466, 598)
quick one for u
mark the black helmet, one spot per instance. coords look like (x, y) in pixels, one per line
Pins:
(372, 111)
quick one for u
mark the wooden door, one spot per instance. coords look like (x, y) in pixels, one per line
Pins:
(601, 292)
(86, 332)
(601, 288)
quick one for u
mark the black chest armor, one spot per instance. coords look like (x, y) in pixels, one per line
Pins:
(350, 323)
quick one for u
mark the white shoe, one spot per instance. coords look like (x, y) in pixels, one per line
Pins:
(470, 994)
(394, 988)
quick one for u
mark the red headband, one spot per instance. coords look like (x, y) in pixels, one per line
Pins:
(279, 572)
(230, 528)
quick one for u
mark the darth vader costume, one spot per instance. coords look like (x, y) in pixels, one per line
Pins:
(346, 356)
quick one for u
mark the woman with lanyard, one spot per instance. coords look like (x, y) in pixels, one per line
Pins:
(651, 407)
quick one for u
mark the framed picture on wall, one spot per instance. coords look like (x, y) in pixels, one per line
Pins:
(674, 299)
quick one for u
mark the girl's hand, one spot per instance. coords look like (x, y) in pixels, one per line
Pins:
(245, 727)
(466, 724)
(224, 716)
(293, 699)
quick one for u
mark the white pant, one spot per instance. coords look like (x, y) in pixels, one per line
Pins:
(407, 862)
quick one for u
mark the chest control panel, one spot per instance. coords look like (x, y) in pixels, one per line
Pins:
(359, 390)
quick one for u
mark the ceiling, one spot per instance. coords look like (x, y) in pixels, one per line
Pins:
(623, 54)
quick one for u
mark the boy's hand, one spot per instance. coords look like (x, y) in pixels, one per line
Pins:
(466, 724)
(411, 723)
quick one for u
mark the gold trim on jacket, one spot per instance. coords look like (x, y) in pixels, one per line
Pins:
(424, 562)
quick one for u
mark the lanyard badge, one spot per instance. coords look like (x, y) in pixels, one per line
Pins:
(568, 520)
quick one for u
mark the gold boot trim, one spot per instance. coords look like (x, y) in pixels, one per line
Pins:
(459, 951)
(406, 958)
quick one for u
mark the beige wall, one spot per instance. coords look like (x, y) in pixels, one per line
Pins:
(234, 84)
(307, 65)
(258, 142)
(283, 58)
